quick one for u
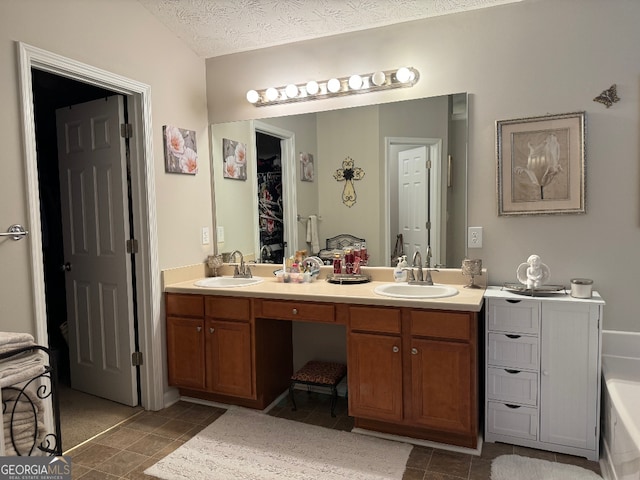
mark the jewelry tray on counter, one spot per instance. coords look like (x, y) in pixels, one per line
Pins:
(541, 291)
(348, 279)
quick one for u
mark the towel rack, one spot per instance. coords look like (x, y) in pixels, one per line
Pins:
(304, 219)
(17, 232)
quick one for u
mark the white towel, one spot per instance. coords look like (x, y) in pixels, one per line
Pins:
(312, 234)
(21, 368)
(13, 341)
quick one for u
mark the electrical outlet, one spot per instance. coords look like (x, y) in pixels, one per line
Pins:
(475, 237)
(205, 236)
(220, 234)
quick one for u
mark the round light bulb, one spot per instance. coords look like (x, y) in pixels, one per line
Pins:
(313, 87)
(253, 96)
(378, 78)
(272, 94)
(291, 90)
(355, 82)
(403, 75)
(333, 85)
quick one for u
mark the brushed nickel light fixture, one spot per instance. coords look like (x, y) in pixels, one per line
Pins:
(335, 87)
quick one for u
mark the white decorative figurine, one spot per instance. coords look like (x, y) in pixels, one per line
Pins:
(534, 273)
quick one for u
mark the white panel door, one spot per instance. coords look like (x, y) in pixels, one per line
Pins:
(413, 191)
(569, 374)
(92, 163)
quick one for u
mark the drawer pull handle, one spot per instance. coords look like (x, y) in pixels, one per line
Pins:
(512, 406)
(512, 300)
(295, 311)
(414, 351)
(395, 349)
(508, 370)
(199, 329)
(211, 330)
(512, 336)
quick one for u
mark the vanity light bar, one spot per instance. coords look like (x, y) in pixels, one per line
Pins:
(335, 87)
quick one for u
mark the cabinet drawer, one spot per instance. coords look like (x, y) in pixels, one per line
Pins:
(452, 325)
(513, 315)
(513, 420)
(375, 319)
(229, 308)
(184, 305)
(512, 386)
(305, 311)
(513, 351)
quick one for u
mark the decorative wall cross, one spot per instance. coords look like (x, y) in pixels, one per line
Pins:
(348, 173)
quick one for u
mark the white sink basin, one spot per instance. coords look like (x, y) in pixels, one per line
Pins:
(227, 282)
(404, 290)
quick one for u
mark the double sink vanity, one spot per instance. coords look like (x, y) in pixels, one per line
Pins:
(412, 351)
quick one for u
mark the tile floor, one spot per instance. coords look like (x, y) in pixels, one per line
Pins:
(125, 451)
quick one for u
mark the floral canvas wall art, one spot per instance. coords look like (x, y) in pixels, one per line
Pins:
(235, 159)
(180, 151)
(306, 167)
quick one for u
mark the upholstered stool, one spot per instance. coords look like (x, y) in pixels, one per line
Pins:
(319, 374)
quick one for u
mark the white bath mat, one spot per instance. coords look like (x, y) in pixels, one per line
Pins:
(515, 467)
(247, 445)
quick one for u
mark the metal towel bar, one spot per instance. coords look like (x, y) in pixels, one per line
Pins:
(17, 232)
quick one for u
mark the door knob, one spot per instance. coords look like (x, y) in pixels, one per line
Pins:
(66, 267)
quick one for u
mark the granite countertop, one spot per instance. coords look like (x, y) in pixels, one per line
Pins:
(183, 281)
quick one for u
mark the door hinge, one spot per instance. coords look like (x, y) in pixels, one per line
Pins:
(132, 246)
(126, 130)
(427, 225)
(136, 359)
(429, 164)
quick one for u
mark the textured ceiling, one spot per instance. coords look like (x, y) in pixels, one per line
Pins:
(220, 27)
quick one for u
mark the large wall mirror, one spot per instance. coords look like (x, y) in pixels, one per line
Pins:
(393, 143)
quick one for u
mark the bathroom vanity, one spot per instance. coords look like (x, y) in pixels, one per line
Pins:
(412, 364)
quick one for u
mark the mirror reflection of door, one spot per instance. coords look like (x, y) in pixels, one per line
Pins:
(270, 198)
(413, 200)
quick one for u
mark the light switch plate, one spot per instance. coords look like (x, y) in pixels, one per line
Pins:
(205, 236)
(220, 234)
(475, 237)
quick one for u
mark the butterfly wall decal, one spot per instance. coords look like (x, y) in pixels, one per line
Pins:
(608, 97)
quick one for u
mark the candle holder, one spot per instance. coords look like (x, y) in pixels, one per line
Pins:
(471, 268)
(214, 262)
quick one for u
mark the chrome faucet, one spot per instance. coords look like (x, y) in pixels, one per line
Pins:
(417, 262)
(265, 254)
(242, 270)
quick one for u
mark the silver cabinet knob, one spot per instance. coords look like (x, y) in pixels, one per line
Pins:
(199, 329)
(395, 349)
(211, 329)
(295, 311)
(414, 351)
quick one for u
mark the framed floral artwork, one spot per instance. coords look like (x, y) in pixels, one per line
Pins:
(306, 167)
(541, 165)
(235, 159)
(180, 151)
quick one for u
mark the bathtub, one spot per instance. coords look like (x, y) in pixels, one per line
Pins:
(620, 405)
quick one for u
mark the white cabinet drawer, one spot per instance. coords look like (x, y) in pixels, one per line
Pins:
(511, 315)
(512, 386)
(513, 351)
(512, 420)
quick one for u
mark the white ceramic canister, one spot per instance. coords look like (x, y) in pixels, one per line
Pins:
(581, 287)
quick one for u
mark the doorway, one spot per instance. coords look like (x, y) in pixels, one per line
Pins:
(270, 198)
(147, 273)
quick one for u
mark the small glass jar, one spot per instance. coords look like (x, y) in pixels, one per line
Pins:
(364, 255)
(348, 260)
(337, 264)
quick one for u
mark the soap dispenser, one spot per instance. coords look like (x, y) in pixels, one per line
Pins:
(399, 274)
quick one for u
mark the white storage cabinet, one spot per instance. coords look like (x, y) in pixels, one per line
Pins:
(542, 387)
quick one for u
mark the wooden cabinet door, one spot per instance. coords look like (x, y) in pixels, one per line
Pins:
(185, 352)
(569, 374)
(375, 376)
(441, 385)
(229, 358)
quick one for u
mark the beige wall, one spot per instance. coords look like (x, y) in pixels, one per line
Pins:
(122, 37)
(526, 59)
